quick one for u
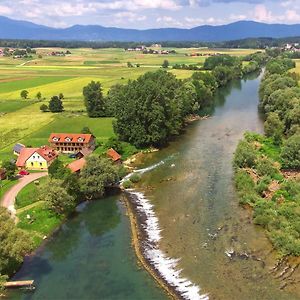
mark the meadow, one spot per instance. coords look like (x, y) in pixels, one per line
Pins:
(21, 119)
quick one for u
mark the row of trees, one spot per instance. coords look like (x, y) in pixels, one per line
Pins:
(280, 101)
(260, 161)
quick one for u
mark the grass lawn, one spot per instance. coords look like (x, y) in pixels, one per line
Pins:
(11, 106)
(42, 222)
(29, 194)
(5, 185)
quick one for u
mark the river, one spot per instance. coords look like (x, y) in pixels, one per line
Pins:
(193, 196)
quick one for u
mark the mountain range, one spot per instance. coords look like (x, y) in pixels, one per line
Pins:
(15, 29)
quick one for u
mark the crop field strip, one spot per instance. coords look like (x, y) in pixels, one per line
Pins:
(22, 121)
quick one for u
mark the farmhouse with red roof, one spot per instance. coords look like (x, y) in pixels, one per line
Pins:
(72, 143)
(36, 158)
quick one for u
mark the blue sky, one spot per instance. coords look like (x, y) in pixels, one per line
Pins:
(150, 13)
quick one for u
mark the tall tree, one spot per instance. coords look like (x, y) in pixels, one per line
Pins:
(98, 174)
(94, 100)
(15, 244)
(55, 104)
(148, 110)
(24, 94)
(57, 198)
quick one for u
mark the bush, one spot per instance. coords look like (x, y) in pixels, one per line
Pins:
(44, 108)
(245, 155)
(127, 184)
(265, 166)
(135, 178)
(290, 154)
(263, 184)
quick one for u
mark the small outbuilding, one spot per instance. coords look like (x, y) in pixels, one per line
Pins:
(114, 156)
(17, 148)
(83, 153)
(77, 165)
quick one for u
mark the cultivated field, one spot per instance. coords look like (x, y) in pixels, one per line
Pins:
(22, 121)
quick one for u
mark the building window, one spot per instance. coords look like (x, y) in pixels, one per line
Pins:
(41, 164)
(32, 164)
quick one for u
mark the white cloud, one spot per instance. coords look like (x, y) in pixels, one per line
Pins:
(5, 10)
(262, 14)
(127, 16)
(167, 21)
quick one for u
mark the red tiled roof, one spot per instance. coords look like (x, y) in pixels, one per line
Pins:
(77, 165)
(74, 137)
(114, 155)
(24, 155)
(46, 152)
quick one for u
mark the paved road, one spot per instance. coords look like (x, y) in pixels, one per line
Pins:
(9, 197)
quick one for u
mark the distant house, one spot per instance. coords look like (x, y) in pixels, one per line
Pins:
(17, 148)
(2, 174)
(36, 158)
(114, 156)
(77, 165)
(72, 143)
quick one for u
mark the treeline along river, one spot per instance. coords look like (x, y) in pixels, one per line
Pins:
(204, 230)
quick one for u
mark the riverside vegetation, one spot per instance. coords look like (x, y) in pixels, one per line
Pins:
(145, 112)
(267, 166)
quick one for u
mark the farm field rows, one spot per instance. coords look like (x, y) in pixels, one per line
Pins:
(22, 121)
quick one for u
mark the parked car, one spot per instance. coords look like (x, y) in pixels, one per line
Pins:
(23, 172)
(73, 155)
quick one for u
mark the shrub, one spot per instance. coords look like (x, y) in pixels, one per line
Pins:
(291, 152)
(127, 184)
(245, 155)
(263, 184)
(265, 166)
(44, 108)
(135, 178)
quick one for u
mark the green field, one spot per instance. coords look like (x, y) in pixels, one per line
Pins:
(22, 121)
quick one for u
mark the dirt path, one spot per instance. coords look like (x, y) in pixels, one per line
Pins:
(9, 197)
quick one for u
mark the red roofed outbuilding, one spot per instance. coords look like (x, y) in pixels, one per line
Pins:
(114, 155)
(77, 165)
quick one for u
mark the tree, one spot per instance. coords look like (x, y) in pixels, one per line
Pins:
(10, 168)
(290, 153)
(57, 170)
(94, 100)
(61, 96)
(274, 127)
(129, 64)
(148, 110)
(165, 64)
(57, 198)
(97, 174)
(24, 94)
(55, 104)
(86, 130)
(15, 244)
(44, 108)
(245, 155)
(39, 96)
